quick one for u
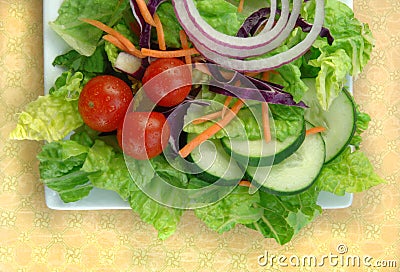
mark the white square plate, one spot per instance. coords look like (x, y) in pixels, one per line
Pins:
(99, 199)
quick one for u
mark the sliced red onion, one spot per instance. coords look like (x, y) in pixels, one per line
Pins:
(237, 47)
(215, 46)
(250, 89)
(254, 22)
(130, 65)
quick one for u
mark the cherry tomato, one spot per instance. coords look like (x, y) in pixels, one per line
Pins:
(103, 102)
(143, 135)
(172, 87)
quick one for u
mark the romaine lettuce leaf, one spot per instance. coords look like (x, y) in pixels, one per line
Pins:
(59, 168)
(52, 117)
(164, 219)
(349, 53)
(170, 24)
(109, 170)
(238, 207)
(284, 216)
(221, 15)
(79, 35)
(72, 60)
(362, 121)
(332, 76)
(350, 172)
(48, 118)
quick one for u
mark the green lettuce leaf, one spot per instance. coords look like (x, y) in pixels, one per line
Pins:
(350, 172)
(109, 170)
(332, 76)
(79, 35)
(284, 216)
(349, 53)
(59, 168)
(48, 118)
(362, 122)
(221, 15)
(170, 24)
(52, 117)
(290, 79)
(238, 207)
(72, 60)
(164, 219)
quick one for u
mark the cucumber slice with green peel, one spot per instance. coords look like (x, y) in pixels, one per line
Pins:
(339, 120)
(261, 153)
(296, 173)
(214, 163)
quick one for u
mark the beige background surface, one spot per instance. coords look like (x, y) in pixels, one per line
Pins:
(34, 238)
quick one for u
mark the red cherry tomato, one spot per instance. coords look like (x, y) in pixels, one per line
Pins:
(103, 102)
(143, 134)
(172, 87)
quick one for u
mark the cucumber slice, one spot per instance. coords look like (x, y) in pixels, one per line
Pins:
(339, 120)
(294, 174)
(214, 163)
(260, 153)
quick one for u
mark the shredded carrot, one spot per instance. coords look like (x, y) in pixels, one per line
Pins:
(125, 41)
(315, 130)
(145, 12)
(265, 76)
(252, 74)
(207, 117)
(169, 54)
(185, 45)
(226, 105)
(240, 7)
(160, 32)
(265, 121)
(115, 41)
(245, 183)
(209, 132)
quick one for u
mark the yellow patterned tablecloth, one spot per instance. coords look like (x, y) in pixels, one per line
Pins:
(35, 238)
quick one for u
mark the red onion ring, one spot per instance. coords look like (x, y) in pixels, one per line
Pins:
(229, 51)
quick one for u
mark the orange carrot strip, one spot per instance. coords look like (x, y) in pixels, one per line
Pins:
(160, 32)
(115, 41)
(185, 45)
(206, 134)
(127, 43)
(252, 74)
(206, 117)
(245, 183)
(240, 7)
(315, 130)
(265, 76)
(265, 122)
(169, 54)
(226, 105)
(145, 12)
